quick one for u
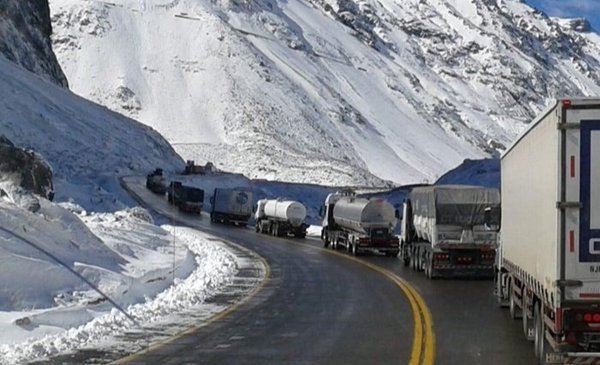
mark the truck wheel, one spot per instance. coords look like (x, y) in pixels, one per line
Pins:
(403, 255)
(528, 330)
(538, 326)
(412, 259)
(543, 351)
(428, 267)
(324, 238)
(513, 308)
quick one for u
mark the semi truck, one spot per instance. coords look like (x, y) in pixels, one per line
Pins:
(156, 182)
(548, 267)
(280, 217)
(359, 224)
(187, 198)
(231, 206)
(450, 230)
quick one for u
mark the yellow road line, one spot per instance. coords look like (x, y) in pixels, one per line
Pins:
(423, 347)
(214, 318)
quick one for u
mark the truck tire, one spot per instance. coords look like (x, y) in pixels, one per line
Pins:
(543, 350)
(528, 330)
(324, 238)
(538, 326)
(257, 227)
(403, 255)
(513, 309)
(428, 267)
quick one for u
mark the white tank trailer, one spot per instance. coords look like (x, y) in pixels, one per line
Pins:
(281, 217)
(451, 230)
(359, 224)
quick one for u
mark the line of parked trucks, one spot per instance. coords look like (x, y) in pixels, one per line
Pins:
(542, 247)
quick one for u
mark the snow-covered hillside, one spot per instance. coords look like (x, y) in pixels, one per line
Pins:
(326, 91)
(87, 145)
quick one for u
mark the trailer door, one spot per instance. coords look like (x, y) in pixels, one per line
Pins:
(582, 185)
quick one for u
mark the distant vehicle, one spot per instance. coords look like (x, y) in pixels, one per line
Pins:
(187, 198)
(548, 270)
(231, 206)
(281, 217)
(156, 182)
(451, 230)
(359, 224)
(192, 169)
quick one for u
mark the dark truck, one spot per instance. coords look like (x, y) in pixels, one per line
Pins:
(187, 198)
(155, 182)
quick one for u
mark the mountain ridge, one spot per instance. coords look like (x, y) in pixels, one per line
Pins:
(345, 92)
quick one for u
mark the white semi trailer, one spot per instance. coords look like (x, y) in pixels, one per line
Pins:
(548, 268)
(359, 224)
(231, 206)
(451, 230)
(280, 217)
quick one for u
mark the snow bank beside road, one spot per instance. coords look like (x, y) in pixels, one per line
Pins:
(126, 256)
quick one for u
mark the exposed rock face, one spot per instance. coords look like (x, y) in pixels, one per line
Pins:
(25, 30)
(24, 169)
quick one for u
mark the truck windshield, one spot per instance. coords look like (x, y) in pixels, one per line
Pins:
(466, 214)
(195, 195)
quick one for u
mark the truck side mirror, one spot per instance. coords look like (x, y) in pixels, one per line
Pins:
(397, 213)
(322, 211)
(212, 200)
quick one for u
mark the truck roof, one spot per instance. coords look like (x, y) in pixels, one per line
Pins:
(454, 194)
(579, 101)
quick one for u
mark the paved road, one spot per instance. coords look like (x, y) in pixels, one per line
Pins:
(319, 308)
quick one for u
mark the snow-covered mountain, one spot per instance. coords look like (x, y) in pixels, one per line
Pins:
(25, 30)
(326, 91)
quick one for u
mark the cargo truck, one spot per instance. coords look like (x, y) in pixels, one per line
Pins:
(548, 268)
(280, 217)
(451, 230)
(187, 198)
(359, 224)
(231, 206)
(156, 182)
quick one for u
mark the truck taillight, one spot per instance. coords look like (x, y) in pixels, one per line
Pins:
(487, 256)
(567, 103)
(441, 256)
(588, 317)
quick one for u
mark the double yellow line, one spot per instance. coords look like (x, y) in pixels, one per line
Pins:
(423, 347)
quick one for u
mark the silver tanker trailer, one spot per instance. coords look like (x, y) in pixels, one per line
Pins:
(359, 224)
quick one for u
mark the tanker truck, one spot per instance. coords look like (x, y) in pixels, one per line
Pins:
(450, 230)
(281, 217)
(231, 206)
(359, 224)
(548, 268)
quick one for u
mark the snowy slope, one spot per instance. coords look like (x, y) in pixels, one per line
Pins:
(87, 145)
(326, 91)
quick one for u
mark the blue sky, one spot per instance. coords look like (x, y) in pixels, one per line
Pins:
(589, 9)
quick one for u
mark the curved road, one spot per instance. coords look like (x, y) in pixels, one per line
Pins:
(321, 308)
